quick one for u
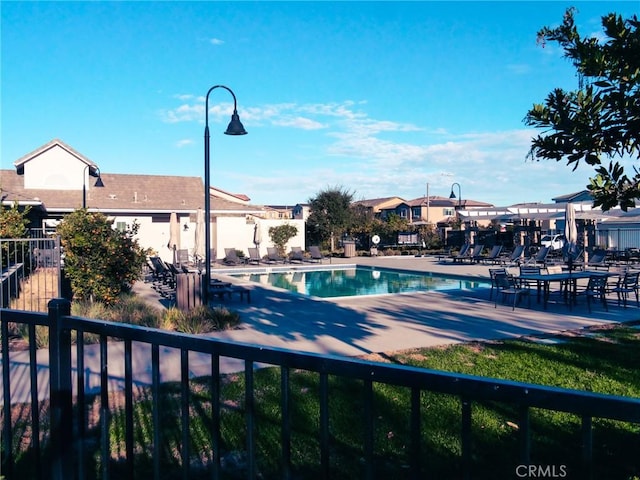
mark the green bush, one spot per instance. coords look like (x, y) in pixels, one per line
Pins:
(99, 261)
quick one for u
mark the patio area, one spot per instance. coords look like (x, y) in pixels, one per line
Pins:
(366, 325)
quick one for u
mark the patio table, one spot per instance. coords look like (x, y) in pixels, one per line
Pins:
(568, 282)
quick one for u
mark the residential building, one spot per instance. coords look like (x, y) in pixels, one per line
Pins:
(55, 180)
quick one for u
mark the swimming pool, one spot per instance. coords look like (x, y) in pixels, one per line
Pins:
(357, 281)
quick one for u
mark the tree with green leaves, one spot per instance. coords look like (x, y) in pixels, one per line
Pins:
(330, 215)
(101, 262)
(281, 234)
(13, 221)
(600, 121)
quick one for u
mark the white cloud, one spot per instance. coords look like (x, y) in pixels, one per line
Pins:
(216, 41)
(184, 142)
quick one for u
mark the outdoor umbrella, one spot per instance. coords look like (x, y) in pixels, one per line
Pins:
(257, 236)
(174, 234)
(199, 246)
(570, 233)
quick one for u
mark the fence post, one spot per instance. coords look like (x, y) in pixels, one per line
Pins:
(60, 390)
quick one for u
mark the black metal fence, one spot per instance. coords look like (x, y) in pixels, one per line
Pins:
(31, 272)
(93, 422)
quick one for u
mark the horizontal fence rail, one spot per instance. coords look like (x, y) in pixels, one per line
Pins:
(95, 395)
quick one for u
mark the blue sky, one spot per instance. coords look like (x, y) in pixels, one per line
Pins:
(379, 98)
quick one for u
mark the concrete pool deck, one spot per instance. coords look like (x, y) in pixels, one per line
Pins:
(365, 325)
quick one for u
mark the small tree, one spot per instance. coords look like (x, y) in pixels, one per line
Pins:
(330, 215)
(281, 234)
(13, 222)
(100, 261)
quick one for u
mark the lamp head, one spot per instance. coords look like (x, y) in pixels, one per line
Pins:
(99, 182)
(453, 195)
(235, 125)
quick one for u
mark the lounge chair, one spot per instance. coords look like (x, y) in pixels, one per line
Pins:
(182, 256)
(540, 257)
(296, 255)
(315, 255)
(231, 257)
(515, 258)
(493, 256)
(471, 255)
(273, 256)
(598, 261)
(463, 253)
(254, 256)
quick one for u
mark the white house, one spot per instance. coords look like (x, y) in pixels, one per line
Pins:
(55, 180)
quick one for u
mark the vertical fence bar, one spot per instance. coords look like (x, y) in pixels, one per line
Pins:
(81, 406)
(7, 444)
(60, 390)
(104, 407)
(369, 429)
(128, 407)
(525, 435)
(155, 392)
(414, 451)
(324, 425)
(184, 395)
(286, 422)
(214, 387)
(35, 411)
(466, 438)
(587, 447)
(250, 418)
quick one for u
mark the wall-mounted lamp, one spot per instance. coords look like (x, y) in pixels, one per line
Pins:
(185, 228)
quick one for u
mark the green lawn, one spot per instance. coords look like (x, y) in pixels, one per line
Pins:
(605, 361)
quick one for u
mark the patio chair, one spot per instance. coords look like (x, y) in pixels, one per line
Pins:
(254, 256)
(296, 255)
(315, 255)
(596, 289)
(182, 256)
(509, 285)
(493, 256)
(474, 254)
(273, 256)
(627, 284)
(231, 257)
(492, 274)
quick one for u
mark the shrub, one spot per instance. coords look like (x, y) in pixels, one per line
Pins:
(100, 261)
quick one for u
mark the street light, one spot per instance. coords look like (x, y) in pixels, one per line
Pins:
(234, 128)
(453, 195)
(99, 184)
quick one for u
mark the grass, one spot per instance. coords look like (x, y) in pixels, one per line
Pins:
(605, 362)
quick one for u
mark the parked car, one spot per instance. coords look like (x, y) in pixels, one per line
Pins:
(555, 242)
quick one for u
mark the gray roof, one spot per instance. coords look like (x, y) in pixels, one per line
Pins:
(121, 192)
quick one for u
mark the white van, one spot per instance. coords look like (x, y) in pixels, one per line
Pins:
(555, 242)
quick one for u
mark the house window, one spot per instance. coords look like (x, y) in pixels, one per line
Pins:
(121, 226)
(403, 213)
(416, 212)
(449, 212)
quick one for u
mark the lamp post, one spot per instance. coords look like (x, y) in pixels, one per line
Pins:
(235, 128)
(453, 195)
(96, 173)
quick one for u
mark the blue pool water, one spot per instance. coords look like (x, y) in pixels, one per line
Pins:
(357, 281)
